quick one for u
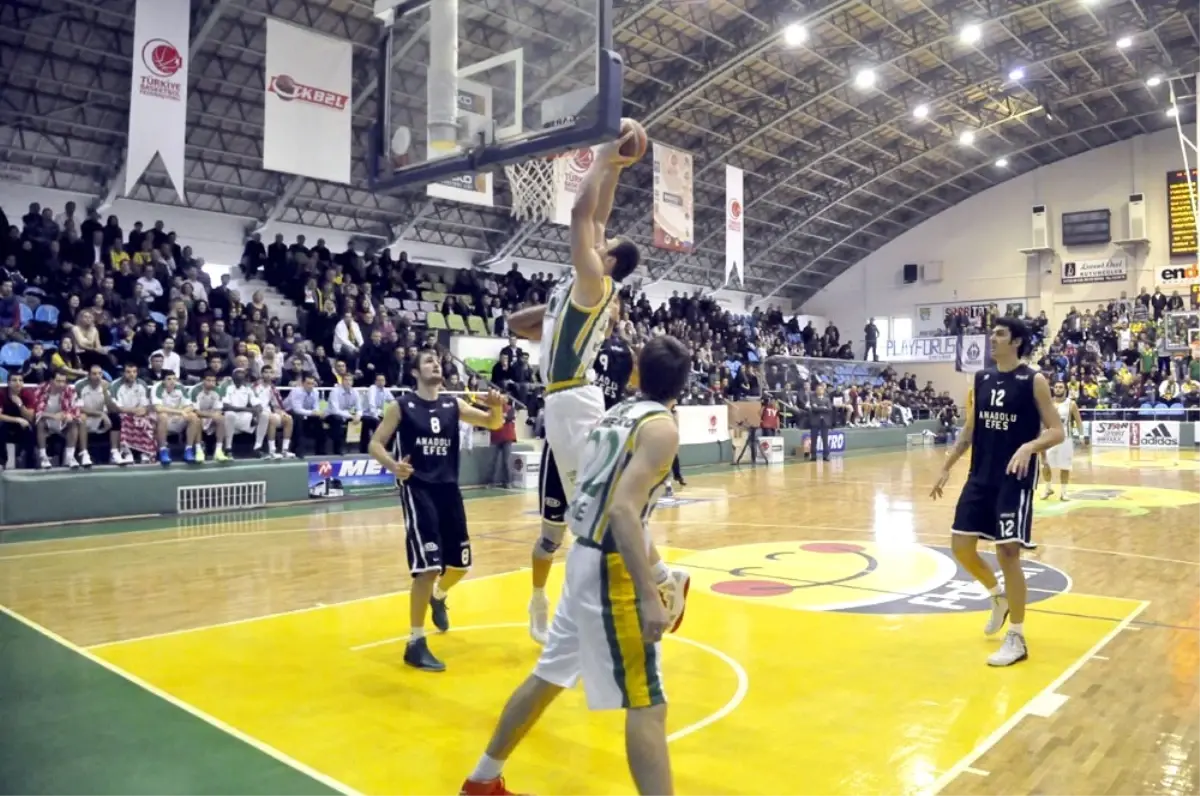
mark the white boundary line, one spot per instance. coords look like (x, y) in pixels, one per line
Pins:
(292, 612)
(249, 740)
(739, 671)
(967, 763)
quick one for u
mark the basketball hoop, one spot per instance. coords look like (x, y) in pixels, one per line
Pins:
(533, 188)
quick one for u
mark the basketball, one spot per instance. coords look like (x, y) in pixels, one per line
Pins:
(636, 146)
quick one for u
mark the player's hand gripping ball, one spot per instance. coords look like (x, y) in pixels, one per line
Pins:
(494, 398)
(633, 143)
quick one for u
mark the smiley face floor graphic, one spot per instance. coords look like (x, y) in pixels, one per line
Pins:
(855, 577)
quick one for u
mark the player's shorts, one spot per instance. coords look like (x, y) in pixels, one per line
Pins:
(596, 634)
(176, 424)
(435, 522)
(550, 489)
(999, 512)
(1061, 456)
(54, 426)
(94, 423)
(242, 422)
(570, 417)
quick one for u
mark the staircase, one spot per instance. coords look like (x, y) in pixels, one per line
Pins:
(278, 305)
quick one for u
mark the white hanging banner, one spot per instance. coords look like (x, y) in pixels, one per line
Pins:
(672, 199)
(735, 224)
(158, 95)
(570, 168)
(306, 108)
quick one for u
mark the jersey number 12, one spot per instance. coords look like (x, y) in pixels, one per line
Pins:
(997, 397)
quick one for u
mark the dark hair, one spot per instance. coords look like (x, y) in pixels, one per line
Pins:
(626, 257)
(663, 368)
(428, 349)
(1017, 330)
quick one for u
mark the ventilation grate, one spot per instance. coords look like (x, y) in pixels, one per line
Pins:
(221, 497)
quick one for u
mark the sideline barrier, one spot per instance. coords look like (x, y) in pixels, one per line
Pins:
(1162, 429)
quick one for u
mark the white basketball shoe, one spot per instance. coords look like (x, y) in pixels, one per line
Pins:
(999, 614)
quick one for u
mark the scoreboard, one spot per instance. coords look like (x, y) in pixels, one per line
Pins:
(1181, 221)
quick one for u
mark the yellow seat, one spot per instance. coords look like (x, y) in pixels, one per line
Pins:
(456, 323)
(476, 325)
(435, 320)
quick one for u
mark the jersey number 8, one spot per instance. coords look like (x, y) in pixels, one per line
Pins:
(435, 425)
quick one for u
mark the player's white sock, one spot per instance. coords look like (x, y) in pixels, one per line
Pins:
(996, 590)
(488, 768)
(220, 447)
(260, 433)
(662, 573)
(1018, 628)
(539, 593)
(287, 443)
(271, 445)
(438, 593)
(68, 455)
(416, 633)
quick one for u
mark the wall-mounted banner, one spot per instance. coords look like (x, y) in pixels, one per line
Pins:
(931, 318)
(672, 199)
(1175, 277)
(571, 167)
(735, 224)
(1114, 269)
(158, 96)
(307, 104)
(972, 353)
(922, 349)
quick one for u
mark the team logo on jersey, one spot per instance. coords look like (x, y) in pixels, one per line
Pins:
(856, 577)
(1132, 501)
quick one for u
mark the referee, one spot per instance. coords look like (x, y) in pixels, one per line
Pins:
(820, 418)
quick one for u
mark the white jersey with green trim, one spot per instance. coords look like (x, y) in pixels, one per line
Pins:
(605, 456)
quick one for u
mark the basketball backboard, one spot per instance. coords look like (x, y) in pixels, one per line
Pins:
(469, 86)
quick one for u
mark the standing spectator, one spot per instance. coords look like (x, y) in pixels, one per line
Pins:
(502, 443)
(820, 419)
(871, 335)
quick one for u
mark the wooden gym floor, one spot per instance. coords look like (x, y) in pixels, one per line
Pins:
(832, 646)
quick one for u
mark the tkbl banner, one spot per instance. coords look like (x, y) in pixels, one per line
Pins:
(333, 478)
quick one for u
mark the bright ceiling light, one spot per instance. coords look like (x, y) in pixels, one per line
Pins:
(1125, 42)
(1154, 81)
(966, 137)
(864, 78)
(795, 34)
(1016, 74)
(921, 111)
(1002, 163)
(971, 34)
(1172, 111)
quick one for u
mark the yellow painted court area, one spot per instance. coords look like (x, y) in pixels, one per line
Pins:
(761, 684)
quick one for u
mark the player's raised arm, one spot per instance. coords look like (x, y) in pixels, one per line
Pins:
(382, 436)
(593, 205)
(491, 419)
(527, 322)
(655, 446)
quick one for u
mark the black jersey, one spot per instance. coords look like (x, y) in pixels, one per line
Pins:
(613, 366)
(1006, 417)
(428, 435)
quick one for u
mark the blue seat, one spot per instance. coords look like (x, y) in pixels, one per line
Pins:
(3, 376)
(47, 313)
(26, 314)
(13, 355)
(159, 318)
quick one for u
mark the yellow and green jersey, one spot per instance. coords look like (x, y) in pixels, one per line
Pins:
(606, 455)
(571, 336)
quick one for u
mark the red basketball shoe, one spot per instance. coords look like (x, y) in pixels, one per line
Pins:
(487, 787)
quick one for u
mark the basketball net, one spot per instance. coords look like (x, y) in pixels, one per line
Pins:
(534, 187)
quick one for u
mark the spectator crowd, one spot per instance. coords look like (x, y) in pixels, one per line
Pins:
(117, 341)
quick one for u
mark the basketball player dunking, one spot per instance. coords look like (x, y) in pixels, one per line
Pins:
(610, 618)
(417, 440)
(1012, 420)
(572, 326)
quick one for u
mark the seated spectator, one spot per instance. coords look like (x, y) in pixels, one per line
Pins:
(304, 405)
(175, 415)
(210, 408)
(16, 423)
(273, 413)
(55, 414)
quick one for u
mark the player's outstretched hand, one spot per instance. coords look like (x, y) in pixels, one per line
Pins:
(403, 469)
(936, 492)
(494, 398)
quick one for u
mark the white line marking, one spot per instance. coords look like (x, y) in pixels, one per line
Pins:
(1045, 705)
(979, 772)
(292, 612)
(266, 749)
(1099, 657)
(739, 671)
(1004, 729)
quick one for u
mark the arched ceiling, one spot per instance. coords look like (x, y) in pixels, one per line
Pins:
(832, 172)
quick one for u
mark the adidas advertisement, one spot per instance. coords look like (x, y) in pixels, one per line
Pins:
(1155, 434)
(1112, 433)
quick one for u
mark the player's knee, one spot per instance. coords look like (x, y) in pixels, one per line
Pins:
(1008, 554)
(549, 541)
